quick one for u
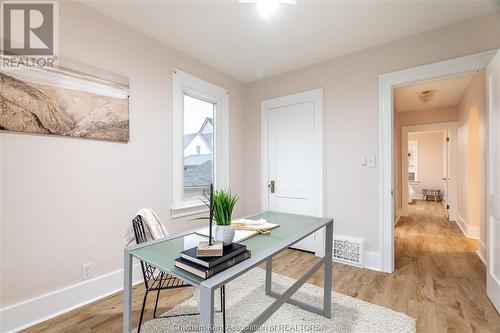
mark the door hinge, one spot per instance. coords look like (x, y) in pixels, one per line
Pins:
(447, 206)
(447, 139)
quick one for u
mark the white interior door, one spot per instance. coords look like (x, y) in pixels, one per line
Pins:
(293, 174)
(493, 246)
(446, 172)
(450, 173)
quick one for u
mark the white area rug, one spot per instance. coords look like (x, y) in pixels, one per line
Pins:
(245, 300)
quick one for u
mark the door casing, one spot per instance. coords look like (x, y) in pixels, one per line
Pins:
(387, 83)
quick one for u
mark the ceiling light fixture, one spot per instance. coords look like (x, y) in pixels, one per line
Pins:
(426, 96)
(268, 8)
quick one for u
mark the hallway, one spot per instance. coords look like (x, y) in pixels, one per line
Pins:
(446, 278)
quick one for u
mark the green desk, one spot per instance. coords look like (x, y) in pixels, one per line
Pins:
(293, 228)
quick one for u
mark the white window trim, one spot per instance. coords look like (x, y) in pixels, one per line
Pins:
(184, 83)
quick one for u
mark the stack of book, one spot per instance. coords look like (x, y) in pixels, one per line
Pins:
(206, 267)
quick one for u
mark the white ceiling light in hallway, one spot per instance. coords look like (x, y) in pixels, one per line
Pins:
(268, 8)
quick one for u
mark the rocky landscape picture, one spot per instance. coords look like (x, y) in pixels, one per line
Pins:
(63, 102)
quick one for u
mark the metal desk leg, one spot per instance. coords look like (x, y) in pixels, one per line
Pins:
(327, 286)
(269, 275)
(127, 292)
(206, 309)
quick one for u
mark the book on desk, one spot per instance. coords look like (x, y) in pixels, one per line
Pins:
(228, 252)
(196, 262)
(206, 267)
(205, 272)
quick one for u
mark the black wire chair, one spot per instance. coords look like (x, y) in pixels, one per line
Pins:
(156, 280)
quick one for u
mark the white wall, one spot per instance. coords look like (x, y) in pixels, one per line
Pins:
(66, 201)
(471, 161)
(430, 161)
(351, 116)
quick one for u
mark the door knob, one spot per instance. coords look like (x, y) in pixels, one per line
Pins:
(271, 186)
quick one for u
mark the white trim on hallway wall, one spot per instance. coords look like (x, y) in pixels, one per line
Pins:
(452, 128)
(387, 82)
(472, 232)
(493, 182)
(22, 315)
(316, 96)
(469, 231)
(481, 248)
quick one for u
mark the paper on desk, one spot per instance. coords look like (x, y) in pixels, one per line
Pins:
(241, 235)
(256, 224)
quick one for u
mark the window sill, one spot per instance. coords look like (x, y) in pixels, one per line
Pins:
(188, 209)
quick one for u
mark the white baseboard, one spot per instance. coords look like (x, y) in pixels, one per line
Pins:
(462, 224)
(397, 220)
(22, 315)
(372, 261)
(481, 249)
(469, 231)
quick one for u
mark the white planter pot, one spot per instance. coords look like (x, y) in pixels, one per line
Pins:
(224, 233)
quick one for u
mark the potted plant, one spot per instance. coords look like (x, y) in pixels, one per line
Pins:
(223, 205)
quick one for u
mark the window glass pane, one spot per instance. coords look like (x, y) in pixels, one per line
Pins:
(198, 147)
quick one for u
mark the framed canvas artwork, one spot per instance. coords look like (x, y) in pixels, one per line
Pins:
(72, 100)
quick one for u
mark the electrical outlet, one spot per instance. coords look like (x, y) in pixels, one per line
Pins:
(87, 271)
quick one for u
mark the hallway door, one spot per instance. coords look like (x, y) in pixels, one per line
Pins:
(447, 172)
(493, 218)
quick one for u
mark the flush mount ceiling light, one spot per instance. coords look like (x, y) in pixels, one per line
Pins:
(267, 8)
(426, 96)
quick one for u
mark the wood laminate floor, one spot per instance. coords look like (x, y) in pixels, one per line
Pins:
(439, 280)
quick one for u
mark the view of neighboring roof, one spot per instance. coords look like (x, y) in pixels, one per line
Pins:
(198, 176)
(193, 160)
(198, 168)
(208, 137)
(206, 132)
(188, 138)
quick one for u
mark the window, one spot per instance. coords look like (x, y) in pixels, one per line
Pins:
(200, 141)
(198, 132)
(413, 160)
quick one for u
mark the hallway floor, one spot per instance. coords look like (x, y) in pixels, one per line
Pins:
(443, 278)
(439, 280)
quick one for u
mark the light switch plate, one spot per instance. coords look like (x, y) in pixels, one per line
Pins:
(371, 161)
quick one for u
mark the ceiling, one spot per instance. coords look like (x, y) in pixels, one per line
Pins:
(447, 92)
(230, 36)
